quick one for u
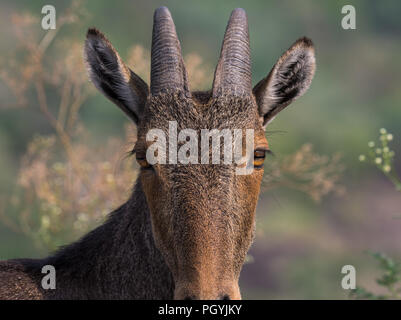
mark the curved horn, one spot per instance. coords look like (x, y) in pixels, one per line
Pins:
(233, 71)
(167, 66)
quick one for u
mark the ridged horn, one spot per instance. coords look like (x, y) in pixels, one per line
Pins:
(167, 66)
(233, 71)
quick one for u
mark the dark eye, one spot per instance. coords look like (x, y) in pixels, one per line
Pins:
(259, 156)
(143, 163)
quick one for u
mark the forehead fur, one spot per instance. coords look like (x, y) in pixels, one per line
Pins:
(201, 111)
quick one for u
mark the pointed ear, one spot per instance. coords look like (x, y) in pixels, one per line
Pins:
(289, 79)
(112, 77)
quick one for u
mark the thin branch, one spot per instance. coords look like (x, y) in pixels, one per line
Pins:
(64, 102)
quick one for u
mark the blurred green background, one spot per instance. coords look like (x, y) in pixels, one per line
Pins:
(301, 245)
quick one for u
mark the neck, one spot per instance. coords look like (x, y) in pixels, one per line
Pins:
(118, 260)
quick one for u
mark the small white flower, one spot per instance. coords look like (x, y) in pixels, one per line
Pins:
(386, 149)
(362, 157)
(371, 144)
(386, 168)
(383, 131)
(378, 151)
(389, 137)
(378, 160)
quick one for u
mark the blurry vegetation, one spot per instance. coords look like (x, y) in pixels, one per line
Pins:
(64, 186)
(390, 280)
(383, 158)
(306, 171)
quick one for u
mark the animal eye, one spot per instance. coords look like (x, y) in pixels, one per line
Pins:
(259, 156)
(143, 163)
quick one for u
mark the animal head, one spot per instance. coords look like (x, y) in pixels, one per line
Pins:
(202, 214)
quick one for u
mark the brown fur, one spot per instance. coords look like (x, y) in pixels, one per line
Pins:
(202, 215)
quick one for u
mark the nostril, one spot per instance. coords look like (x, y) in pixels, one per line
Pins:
(225, 297)
(189, 298)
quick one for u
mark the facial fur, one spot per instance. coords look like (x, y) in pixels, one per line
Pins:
(202, 215)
